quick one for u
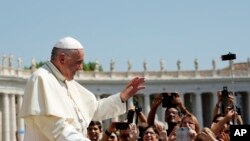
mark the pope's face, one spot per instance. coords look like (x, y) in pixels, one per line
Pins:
(72, 64)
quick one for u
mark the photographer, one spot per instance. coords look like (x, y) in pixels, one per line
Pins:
(173, 113)
(129, 129)
(188, 128)
(221, 124)
(225, 103)
(125, 131)
(139, 115)
(206, 135)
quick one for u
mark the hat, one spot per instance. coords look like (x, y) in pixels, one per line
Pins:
(68, 43)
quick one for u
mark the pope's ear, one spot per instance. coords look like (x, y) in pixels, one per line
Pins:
(62, 58)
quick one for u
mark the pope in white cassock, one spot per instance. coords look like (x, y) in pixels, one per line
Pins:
(57, 108)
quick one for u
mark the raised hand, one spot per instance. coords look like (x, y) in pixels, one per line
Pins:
(132, 88)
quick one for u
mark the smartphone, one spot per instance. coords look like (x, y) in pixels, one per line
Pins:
(225, 104)
(182, 134)
(130, 116)
(167, 99)
(224, 92)
(121, 125)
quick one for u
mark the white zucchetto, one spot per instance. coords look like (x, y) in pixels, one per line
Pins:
(68, 43)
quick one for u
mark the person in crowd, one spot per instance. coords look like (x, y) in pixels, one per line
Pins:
(189, 122)
(57, 108)
(114, 137)
(221, 125)
(172, 114)
(150, 133)
(108, 132)
(224, 104)
(206, 135)
(222, 128)
(135, 115)
(141, 118)
(95, 131)
(125, 131)
(159, 126)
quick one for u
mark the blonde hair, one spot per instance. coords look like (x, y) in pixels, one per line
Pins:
(194, 119)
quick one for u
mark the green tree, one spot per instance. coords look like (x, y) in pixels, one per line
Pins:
(90, 66)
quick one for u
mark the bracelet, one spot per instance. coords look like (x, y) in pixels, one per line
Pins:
(107, 132)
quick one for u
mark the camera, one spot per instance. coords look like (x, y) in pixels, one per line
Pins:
(138, 109)
(130, 116)
(225, 92)
(225, 103)
(228, 56)
(168, 98)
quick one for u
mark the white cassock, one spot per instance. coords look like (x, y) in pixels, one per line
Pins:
(55, 109)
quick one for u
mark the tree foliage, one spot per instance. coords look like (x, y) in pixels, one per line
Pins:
(90, 66)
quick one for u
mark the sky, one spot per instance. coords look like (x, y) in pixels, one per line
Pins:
(134, 30)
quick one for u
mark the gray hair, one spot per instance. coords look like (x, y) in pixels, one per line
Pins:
(57, 51)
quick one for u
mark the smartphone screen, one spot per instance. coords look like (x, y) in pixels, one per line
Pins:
(182, 134)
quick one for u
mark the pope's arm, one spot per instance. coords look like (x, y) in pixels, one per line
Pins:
(55, 128)
(115, 105)
(109, 107)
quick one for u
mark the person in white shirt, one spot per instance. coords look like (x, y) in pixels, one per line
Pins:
(57, 108)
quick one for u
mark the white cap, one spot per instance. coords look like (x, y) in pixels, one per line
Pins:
(68, 43)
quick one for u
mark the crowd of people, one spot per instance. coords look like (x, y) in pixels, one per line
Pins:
(179, 123)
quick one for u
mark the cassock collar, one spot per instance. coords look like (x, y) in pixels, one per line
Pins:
(55, 71)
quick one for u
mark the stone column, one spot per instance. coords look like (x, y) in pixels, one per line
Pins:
(198, 108)
(146, 104)
(182, 98)
(6, 117)
(13, 127)
(141, 100)
(20, 121)
(214, 100)
(130, 103)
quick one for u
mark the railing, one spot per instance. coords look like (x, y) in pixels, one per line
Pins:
(81, 75)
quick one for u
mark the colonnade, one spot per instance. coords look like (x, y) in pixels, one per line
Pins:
(12, 126)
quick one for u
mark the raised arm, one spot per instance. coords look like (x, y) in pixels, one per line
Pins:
(181, 105)
(151, 115)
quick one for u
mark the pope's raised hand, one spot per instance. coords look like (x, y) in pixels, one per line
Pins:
(132, 88)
